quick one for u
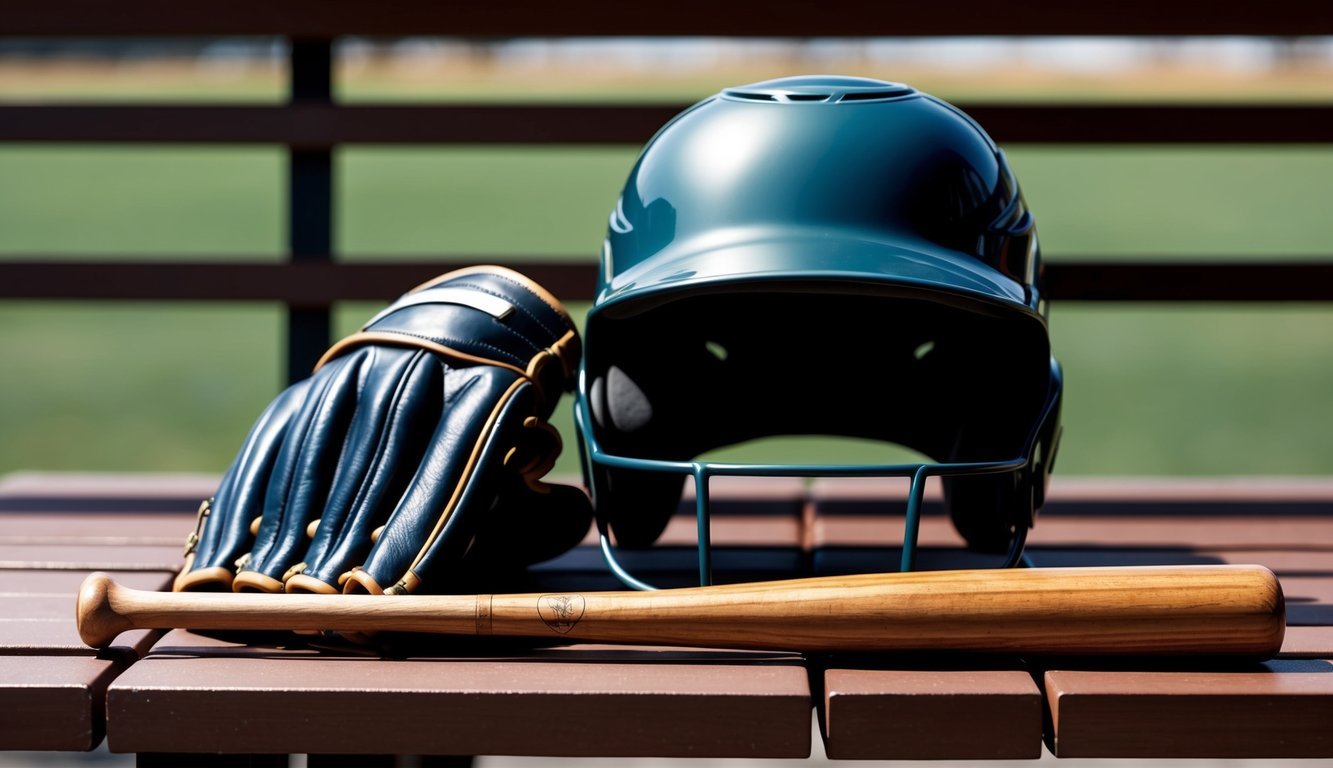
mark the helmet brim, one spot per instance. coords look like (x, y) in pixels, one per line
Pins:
(850, 264)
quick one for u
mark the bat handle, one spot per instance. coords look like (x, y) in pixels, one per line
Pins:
(98, 620)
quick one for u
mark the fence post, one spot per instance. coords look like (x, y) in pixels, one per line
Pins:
(309, 204)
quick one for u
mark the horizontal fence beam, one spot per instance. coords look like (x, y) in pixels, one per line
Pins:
(316, 284)
(316, 126)
(322, 126)
(1187, 281)
(782, 18)
(299, 284)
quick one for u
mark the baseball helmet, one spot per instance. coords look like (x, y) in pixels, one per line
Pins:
(820, 255)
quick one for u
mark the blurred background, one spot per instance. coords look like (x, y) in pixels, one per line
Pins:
(1151, 389)
(1197, 389)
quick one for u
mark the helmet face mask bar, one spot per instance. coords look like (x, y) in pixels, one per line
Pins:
(701, 471)
(819, 256)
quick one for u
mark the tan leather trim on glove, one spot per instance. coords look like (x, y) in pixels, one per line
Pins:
(535, 455)
(215, 576)
(254, 581)
(302, 583)
(567, 350)
(358, 578)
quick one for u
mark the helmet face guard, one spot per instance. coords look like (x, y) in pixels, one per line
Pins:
(866, 269)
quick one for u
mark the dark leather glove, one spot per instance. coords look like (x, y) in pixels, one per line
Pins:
(413, 452)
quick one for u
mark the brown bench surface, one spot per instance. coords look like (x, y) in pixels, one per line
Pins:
(53, 530)
(281, 694)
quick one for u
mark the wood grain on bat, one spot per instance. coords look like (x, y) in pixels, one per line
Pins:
(1195, 610)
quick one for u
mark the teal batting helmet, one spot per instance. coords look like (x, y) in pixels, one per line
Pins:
(820, 255)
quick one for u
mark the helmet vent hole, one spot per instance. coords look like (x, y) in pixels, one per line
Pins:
(875, 95)
(923, 349)
(752, 96)
(716, 350)
(807, 97)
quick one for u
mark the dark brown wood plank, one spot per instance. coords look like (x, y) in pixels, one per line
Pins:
(1281, 710)
(52, 702)
(67, 582)
(1315, 642)
(52, 686)
(38, 534)
(322, 126)
(1133, 493)
(37, 613)
(134, 497)
(444, 706)
(313, 18)
(1139, 513)
(745, 511)
(91, 557)
(60, 637)
(153, 529)
(1309, 599)
(31, 607)
(1055, 529)
(931, 715)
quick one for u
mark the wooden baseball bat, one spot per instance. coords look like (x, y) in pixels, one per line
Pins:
(1231, 610)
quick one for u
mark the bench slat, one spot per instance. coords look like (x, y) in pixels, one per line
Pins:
(53, 702)
(928, 714)
(285, 701)
(1284, 710)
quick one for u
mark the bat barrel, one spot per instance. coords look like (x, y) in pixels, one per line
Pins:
(1186, 610)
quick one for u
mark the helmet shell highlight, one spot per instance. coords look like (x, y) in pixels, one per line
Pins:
(818, 174)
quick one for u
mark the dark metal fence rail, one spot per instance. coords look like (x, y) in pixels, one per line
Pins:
(773, 18)
(311, 125)
(316, 284)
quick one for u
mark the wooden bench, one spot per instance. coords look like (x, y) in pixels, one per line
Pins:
(166, 696)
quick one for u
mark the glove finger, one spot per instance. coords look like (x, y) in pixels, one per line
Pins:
(398, 406)
(455, 485)
(300, 479)
(224, 531)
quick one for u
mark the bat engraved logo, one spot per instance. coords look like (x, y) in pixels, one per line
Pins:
(560, 612)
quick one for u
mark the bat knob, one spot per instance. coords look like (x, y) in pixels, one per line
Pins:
(97, 620)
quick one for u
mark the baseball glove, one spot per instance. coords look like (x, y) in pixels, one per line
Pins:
(413, 452)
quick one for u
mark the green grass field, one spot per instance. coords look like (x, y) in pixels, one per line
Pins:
(1156, 389)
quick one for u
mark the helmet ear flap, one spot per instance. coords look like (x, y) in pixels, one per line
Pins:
(637, 505)
(985, 509)
(988, 510)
